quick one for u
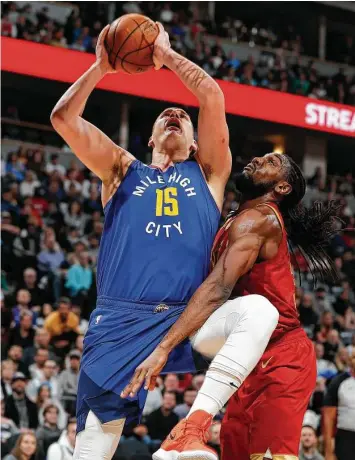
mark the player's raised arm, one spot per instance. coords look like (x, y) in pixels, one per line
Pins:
(90, 144)
(213, 135)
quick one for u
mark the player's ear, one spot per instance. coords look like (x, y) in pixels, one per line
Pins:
(151, 142)
(193, 149)
(283, 188)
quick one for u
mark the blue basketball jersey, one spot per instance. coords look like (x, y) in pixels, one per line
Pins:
(158, 234)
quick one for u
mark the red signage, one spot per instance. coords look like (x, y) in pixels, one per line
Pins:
(64, 65)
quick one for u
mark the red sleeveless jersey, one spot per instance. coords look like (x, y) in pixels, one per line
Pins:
(272, 278)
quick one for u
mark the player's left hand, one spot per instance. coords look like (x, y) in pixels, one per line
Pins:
(147, 372)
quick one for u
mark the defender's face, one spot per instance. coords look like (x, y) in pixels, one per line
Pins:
(173, 129)
(267, 169)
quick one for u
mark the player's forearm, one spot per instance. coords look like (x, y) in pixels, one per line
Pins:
(209, 297)
(198, 81)
(73, 101)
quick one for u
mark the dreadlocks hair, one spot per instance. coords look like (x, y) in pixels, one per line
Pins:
(310, 229)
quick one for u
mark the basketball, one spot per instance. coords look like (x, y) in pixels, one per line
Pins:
(130, 43)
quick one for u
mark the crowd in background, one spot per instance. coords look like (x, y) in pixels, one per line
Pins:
(190, 36)
(52, 222)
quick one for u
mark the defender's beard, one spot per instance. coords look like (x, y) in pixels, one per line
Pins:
(249, 190)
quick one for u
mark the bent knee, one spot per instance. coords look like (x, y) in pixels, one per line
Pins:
(264, 308)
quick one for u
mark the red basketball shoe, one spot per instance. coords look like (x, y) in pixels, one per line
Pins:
(188, 440)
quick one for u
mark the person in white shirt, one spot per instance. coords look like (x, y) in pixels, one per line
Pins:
(49, 376)
(29, 185)
(55, 166)
(64, 448)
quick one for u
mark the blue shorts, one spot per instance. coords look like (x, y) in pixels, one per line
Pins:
(120, 336)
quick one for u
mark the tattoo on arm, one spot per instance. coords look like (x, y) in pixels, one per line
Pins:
(190, 72)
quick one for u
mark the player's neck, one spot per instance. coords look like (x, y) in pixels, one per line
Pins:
(164, 159)
(254, 202)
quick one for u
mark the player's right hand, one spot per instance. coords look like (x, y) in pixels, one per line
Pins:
(147, 372)
(161, 46)
(101, 53)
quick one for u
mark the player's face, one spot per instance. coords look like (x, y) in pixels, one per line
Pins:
(264, 174)
(173, 131)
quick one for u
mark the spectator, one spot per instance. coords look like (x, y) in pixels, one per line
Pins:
(31, 285)
(7, 372)
(189, 397)
(23, 299)
(154, 400)
(36, 369)
(34, 361)
(321, 302)
(15, 354)
(135, 444)
(83, 323)
(339, 411)
(309, 442)
(49, 377)
(54, 165)
(326, 325)
(215, 441)
(25, 448)
(324, 367)
(64, 448)
(166, 14)
(74, 217)
(44, 398)
(23, 334)
(308, 317)
(29, 184)
(342, 360)
(63, 326)
(51, 257)
(68, 382)
(197, 381)
(48, 432)
(161, 421)
(332, 345)
(79, 276)
(18, 407)
(8, 427)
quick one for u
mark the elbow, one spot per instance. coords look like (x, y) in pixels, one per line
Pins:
(56, 118)
(213, 93)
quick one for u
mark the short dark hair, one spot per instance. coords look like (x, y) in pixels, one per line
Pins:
(190, 388)
(65, 300)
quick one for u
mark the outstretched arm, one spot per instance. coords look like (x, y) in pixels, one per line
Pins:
(213, 135)
(90, 144)
(248, 234)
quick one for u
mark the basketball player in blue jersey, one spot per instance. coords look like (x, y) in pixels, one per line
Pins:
(160, 222)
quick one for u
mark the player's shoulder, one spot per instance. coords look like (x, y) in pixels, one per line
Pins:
(259, 219)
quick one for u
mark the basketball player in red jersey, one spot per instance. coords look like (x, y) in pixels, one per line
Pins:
(251, 256)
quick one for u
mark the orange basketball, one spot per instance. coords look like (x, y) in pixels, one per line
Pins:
(130, 43)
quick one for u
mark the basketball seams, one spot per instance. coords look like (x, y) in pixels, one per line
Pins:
(128, 36)
(114, 40)
(144, 47)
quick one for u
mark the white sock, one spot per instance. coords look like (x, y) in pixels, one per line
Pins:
(220, 383)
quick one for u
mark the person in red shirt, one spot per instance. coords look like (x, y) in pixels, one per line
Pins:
(251, 256)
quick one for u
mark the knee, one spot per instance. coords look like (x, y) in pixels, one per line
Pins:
(264, 309)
